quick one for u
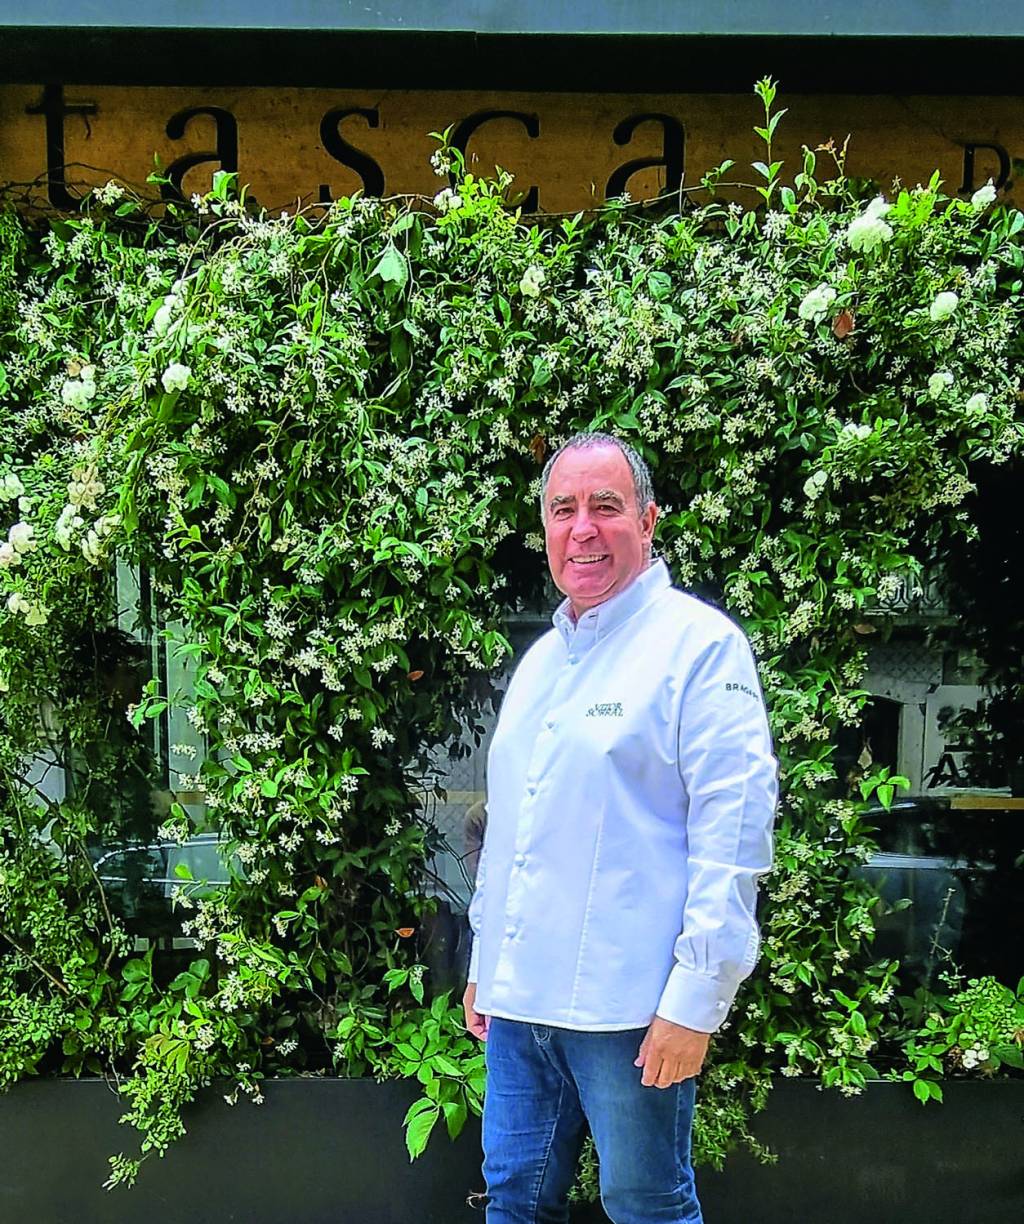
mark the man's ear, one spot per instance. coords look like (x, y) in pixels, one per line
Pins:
(649, 518)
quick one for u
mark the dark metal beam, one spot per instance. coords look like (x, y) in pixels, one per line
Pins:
(871, 46)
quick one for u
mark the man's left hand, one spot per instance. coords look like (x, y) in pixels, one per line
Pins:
(670, 1053)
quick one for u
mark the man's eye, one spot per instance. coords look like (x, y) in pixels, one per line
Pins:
(562, 512)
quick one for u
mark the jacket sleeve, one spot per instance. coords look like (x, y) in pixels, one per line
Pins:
(476, 912)
(729, 775)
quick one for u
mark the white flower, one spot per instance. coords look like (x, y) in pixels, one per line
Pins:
(446, 200)
(110, 193)
(938, 382)
(943, 306)
(77, 393)
(869, 230)
(68, 522)
(84, 488)
(93, 544)
(531, 282)
(11, 487)
(163, 316)
(176, 376)
(815, 484)
(20, 535)
(9, 555)
(37, 614)
(984, 196)
(977, 404)
(815, 305)
(851, 430)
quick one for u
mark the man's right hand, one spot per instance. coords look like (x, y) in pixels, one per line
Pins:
(475, 1022)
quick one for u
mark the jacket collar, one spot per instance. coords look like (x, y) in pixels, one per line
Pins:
(598, 622)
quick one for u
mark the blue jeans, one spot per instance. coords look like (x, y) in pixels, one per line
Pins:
(543, 1085)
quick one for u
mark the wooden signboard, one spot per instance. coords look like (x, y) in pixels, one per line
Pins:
(567, 151)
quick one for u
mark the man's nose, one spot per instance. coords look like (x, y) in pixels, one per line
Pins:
(583, 527)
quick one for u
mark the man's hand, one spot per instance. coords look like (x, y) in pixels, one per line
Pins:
(670, 1053)
(475, 1022)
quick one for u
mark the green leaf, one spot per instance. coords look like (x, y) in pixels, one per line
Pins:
(455, 1114)
(392, 266)
(418, 1131)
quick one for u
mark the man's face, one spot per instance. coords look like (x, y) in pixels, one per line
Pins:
(596, 542)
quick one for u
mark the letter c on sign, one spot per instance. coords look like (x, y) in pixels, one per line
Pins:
(465, 129)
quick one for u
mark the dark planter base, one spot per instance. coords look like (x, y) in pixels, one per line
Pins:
(332, 1152)
(880, 1157)
(319, 1151)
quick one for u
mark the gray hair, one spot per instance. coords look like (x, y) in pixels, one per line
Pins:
(642, 484)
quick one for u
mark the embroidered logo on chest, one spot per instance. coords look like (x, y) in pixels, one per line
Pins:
(606, 709)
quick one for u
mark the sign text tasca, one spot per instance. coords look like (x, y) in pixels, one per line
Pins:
(567, 151)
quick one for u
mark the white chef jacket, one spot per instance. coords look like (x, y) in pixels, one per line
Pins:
(631, 792)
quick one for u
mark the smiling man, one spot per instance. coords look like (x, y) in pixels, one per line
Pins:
(631, 793)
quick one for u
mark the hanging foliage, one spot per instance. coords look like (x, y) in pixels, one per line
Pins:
(321, 437)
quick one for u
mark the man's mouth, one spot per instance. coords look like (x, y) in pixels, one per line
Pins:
(589, 559)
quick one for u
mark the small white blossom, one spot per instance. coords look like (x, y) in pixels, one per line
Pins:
(164, 315)
(984, 196)
(943, 306)
(531, 282)
(816, 304)
(977, 404)
(446, 200)
(938, 382)
(176, 376)
(814, 485)
(84, 488)
(11, 487)
(852, 430)
(68, 523)
(9, 555)
(109, 193)
(96, 537)
(20, 537)
(869, 230)
(34, 613)
(77, 393)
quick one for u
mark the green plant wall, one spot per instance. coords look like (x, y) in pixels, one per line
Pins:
(321, 436)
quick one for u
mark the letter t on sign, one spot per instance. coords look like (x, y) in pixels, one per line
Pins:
(55, 108)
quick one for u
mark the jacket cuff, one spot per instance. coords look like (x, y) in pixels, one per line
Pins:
(696, 1000)
(474, 962)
